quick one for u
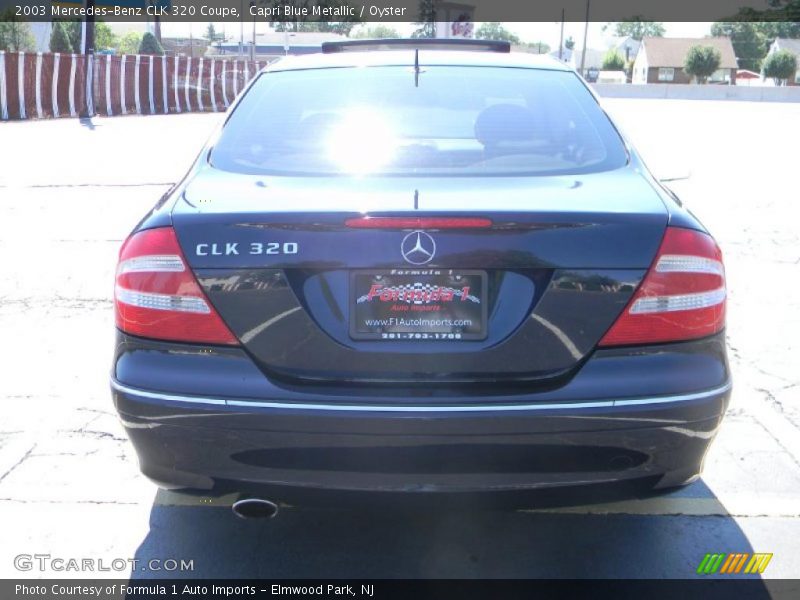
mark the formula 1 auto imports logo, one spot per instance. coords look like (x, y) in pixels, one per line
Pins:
(733, 563)
(417, 293)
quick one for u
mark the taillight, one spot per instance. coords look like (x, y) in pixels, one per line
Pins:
(157, 296)
(682, 296)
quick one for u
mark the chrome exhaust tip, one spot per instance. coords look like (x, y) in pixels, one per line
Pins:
(254, 508)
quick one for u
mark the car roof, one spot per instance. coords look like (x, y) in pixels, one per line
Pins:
(381, 58)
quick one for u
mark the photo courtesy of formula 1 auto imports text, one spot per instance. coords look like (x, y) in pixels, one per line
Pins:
(392, 299)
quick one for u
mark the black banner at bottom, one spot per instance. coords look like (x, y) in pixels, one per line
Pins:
(397, 589)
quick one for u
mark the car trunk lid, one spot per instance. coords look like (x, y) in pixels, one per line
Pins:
(559, 260)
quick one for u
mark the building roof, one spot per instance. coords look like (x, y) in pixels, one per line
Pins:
(619, 43)
(789, 44)
(299, 38)
(594, 58)
(274, 43)
(671, 52)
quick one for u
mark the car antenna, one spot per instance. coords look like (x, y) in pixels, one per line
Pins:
(416, 67)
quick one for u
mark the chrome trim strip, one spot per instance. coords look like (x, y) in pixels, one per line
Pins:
(419, 409)
(679, 398)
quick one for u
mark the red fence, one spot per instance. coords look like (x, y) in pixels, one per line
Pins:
(36, 85)
(41, 85)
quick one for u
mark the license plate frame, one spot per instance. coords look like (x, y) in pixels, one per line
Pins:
(420, 313)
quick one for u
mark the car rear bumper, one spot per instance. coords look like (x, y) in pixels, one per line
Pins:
(529, 441)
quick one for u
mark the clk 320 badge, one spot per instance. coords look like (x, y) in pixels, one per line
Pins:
(254, 248)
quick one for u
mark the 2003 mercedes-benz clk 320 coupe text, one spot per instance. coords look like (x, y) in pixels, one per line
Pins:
(417, 269)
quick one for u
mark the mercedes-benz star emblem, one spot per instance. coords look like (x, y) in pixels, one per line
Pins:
(418, 248)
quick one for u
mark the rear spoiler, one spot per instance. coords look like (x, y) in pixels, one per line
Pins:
(416, 44)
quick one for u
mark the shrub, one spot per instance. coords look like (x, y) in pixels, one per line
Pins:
(129, 43)
(613, 61)
(15, 35)
(702, 61)
(59, 39)
(780, 66)
(150, 45)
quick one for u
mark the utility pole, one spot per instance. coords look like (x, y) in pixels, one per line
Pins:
(88, 51)
(241, 29)
(585, 36)
(561, 39)
(157, 23)
(253, 52)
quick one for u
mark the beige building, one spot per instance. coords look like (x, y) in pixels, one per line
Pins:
(660, 60)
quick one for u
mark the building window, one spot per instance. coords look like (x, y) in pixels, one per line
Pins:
(720, 76)
(666, 73)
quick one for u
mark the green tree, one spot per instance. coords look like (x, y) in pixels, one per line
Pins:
(340, 27)
(701, 62)
(376, 32)
(569, 43)
(15, 35)
(495, 31)
(613, 61)
(629, 68)
(781, 19)
(780, 66)
(749, 43)
(779, 29)
(538, 47)
(59, 39)
(426, 27)
(129, 43)
(150, 45)
(104, 38)
(211, 33)
(637, 28)
(300, 24)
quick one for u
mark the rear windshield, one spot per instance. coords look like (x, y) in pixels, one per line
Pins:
(450, 121)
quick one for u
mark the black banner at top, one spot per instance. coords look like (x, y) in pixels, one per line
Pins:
(388, 11)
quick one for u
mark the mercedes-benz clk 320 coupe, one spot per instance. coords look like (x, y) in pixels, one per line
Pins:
(404, 267)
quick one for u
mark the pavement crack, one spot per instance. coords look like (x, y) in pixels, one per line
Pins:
(97, 411)
(100, 185)
(18, 463)
(53, 454)
(772, 400)
(783, 447)
(100, 435)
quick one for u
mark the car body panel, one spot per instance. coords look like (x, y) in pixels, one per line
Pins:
(660, 428)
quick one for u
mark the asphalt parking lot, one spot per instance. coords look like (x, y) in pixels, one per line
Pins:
(69, 485)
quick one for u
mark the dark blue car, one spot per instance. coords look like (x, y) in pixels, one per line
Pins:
(423, 270)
